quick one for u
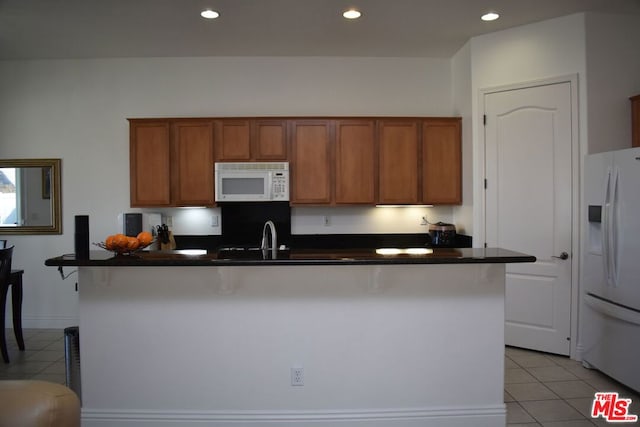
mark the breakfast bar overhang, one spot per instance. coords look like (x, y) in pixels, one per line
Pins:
(174, 339)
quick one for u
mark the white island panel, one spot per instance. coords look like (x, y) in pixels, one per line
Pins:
(380, 345)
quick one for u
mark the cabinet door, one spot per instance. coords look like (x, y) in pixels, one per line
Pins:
(355, 162)
(233, 140)
(635, 121)
(269, 140)
(441, 161)
(149, 163)
(398, 171)
(193, 163)
(311, 162)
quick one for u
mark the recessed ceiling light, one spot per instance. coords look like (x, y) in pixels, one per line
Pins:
(352, 14)
(490, 16)
(209, 14)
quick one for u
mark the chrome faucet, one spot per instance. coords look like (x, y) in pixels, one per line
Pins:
(274, 239)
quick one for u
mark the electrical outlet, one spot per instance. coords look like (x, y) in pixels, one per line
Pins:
(214, 221)
(327, 220)
(297, 376)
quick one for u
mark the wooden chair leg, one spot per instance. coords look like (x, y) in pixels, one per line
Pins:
(3, 339)
(16, 306)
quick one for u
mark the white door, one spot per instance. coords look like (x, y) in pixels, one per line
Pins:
(528, 199)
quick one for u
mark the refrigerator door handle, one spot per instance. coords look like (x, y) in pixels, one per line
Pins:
(613, 231)
(605, 227)
(612, 310)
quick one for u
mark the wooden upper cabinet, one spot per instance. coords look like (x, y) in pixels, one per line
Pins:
(635, 121)
(333, 161)
(355, 165)
(310, 168)
(269, 139)
(441, 161)
(398, 152)
(193, 162)
(149, 163)
(233, 140)
(251, 139)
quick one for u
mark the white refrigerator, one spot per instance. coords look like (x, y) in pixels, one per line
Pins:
(610, 315)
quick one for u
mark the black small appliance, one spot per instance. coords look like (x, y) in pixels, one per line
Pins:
(442, 234)
(81, 236)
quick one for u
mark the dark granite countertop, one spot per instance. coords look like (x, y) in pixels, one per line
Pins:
(293, 257)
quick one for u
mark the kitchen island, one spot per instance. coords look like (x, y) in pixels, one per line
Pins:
(381, 338)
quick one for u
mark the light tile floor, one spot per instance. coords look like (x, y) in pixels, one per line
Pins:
(553, 391)
(43, 358)
(540, 389)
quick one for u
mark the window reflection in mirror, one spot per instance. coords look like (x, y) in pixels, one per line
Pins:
(8, 201)
(29, 196)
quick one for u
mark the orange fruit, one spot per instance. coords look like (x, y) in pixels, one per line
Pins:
(109, 243)
(120, 241)
(132, 243)
(144, 237)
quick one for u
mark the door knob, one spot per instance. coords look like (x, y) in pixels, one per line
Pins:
(563, 255)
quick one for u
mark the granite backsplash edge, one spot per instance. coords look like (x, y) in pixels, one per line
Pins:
(331, 241)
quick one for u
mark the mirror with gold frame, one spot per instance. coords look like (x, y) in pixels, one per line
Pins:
(30, 197)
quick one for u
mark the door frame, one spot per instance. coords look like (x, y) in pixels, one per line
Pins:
(576, 187)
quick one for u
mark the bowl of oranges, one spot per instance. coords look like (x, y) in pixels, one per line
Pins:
(126, 245)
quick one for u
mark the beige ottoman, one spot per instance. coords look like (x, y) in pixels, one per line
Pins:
(25, 403)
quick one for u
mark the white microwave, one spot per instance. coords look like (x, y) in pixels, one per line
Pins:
(251, 181)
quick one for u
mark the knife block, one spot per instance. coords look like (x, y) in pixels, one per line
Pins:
(168, 246)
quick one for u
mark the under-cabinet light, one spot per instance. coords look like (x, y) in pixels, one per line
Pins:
(404, 206)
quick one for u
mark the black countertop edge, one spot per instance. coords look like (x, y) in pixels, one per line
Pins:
(294, 258)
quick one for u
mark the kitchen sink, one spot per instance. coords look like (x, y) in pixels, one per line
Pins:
(251, 253)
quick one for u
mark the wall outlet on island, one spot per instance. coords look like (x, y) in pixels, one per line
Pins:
(297, 376)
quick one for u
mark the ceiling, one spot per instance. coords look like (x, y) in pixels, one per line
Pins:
(38, 29)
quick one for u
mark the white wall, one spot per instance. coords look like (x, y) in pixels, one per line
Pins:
(76, 110)
(462, 96)
(359, 220)
(613, 66)
(528, 53)
(600, 49)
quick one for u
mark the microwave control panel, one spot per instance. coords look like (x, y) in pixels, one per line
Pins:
(280, 186)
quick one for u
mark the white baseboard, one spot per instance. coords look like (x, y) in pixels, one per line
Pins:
(579, 351)
(484, 416)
